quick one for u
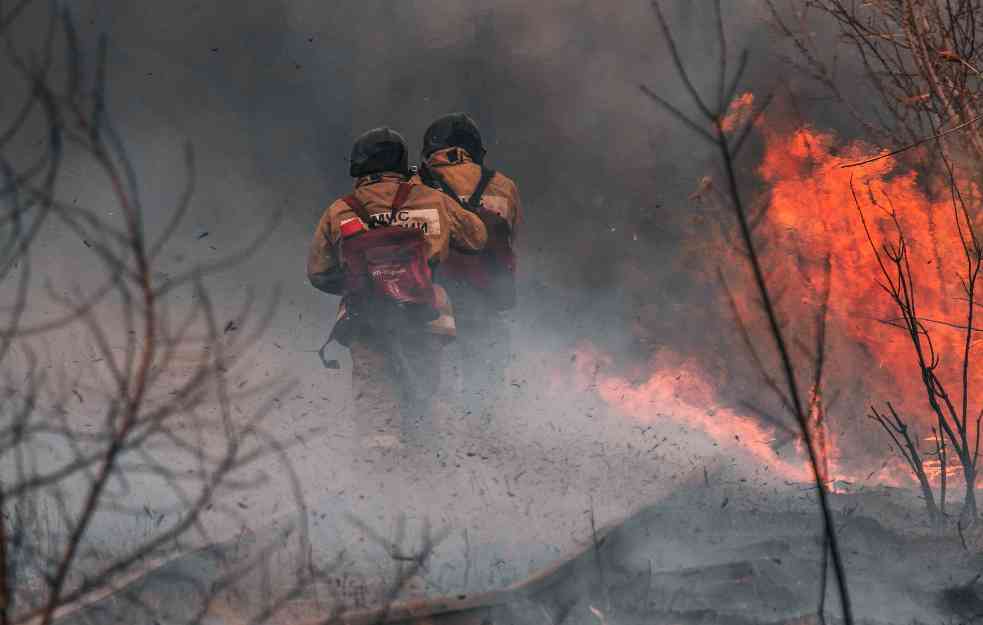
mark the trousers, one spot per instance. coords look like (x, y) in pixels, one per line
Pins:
(477, 362)
(395, 375)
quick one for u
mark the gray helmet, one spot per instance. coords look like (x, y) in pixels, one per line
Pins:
(378, 150)
(456, 130)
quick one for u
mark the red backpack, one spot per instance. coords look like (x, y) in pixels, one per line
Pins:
(388, 262)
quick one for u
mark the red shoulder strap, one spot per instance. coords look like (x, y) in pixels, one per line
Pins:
(358, 208)
(402, 193)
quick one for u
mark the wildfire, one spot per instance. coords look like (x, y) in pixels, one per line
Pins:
(812, 222)
(677, 390)
(813, 214)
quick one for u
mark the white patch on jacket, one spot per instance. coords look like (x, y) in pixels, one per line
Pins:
(426, 219)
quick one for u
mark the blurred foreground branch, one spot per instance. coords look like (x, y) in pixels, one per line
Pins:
(116, 406)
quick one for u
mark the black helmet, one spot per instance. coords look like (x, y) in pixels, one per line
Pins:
(456, 130)
(379, 150)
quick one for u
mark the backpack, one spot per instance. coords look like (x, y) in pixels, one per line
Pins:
(492, 270)
(387, 263)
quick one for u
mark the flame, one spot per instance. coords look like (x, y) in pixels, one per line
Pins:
(812, 215)
(812, 222)
(676, 390)
(820, 434)
(738, 112)
(933, 462)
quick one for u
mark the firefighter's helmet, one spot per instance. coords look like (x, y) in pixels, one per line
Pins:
(378, 150)
(455, 130)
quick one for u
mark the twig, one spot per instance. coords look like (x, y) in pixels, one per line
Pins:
(719, 139)
(938, 135)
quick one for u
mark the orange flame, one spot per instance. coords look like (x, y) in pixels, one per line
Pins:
(738, 112)
(813, 214)
(813, 217)
(677, 390)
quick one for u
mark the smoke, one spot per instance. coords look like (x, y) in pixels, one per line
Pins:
(270, 95)
(273, 97)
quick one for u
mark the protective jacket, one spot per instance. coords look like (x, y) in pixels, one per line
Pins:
(462, 173)
(443, 221)
(453, 167)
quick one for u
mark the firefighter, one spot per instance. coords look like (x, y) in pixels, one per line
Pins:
(482, 286)
(376, 248)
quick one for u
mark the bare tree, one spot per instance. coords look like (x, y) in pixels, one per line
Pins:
(712, 126)
(907, 446)
(957, 422)
(921, 59)
(151, 406)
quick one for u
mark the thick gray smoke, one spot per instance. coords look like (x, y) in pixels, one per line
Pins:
(272, 94)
